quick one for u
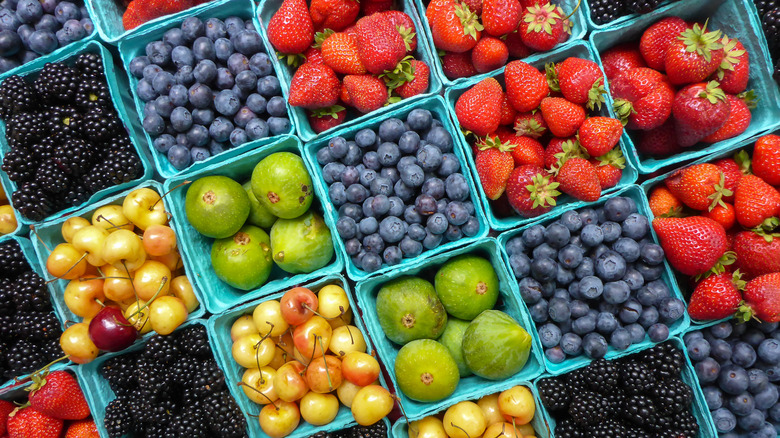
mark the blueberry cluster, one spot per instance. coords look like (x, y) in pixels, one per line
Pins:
(738, 366)
(208, 86)
(399, 190)
(594, 275)
(31, 28)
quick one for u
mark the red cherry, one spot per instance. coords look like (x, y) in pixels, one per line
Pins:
(298, 305)
(110, 330)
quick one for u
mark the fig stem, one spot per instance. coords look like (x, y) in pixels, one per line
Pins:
(83, 256)
(183, 183)
(32, 228)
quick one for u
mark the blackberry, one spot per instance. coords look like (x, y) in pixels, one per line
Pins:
(587, 408)
(20, 164)
(32, 202)
(76, 193)
(553, 393)
(57, 81)
(75, 155)
(636, 377)
(194, 341)
(93, 94)
(25, 128)
(152, 377)
(52, 177)
(763, 6)
(601, 376)
(24, 357)
(118, 420)
(12, 262)
(568, 428)
(97, 126)
(194, 422)
(575, 380)
(16, 95)
(615, 400)
(43, 149)
(32, 288)
(45, 326)
(208, 378)
(225, 418)
(665, 360)
(122, 166)
(184, 369)
(63, 120)
(770, 22)
(119, 371)
(7, 288)
(643, 6)
(609, 428)
(684, 423)
(604, 11)
(7, 327)
(90, 64)
(51, 349)
(376, 430)
(639, 409)
(672, 395)
(161, 348)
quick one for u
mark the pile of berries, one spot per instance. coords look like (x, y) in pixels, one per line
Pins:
(769, 11)
(594, 275)
(29, 330)
(399, 190)
(66, 139)
(604, 11)
(31, 28)
(639, 396)
(207, 87)
(361, 63)
(377, 430)
(508, 129)
(173, 387)
(737, 365)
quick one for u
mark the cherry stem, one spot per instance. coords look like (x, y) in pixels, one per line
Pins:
(45, 369)
(403, 412)
(105, 278)
(327, 372)
(306, 306)
(32, 228)
(513, 425)
(575, 10)
(464, 431)
(259, 392)
(151, 300)
(350, 335)
(184, 183)
(112, 224)
(135, 294)
(83, 256)
(97, 300)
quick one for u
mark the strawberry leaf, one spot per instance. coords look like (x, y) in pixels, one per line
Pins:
(743, 161)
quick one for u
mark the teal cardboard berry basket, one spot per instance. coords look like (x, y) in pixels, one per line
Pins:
(117, 86)
(5, 183)
(135, 45)
(219, 333)
(436, 106)
(578, 31)
(266, 10)
(48, 235)
(579, 49)
(217, 295)
(471, 387)
(570, 363)
(738, 19)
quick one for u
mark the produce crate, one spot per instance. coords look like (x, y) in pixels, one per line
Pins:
(578, 49)
(424, 52)
(570, 363)
(737, 18)
(219, 334)
(217, 295)
(578, 31)
(471, 387)
(48, 235)
(135, 45)
(108, 20)
(117, 86)
(436, 106)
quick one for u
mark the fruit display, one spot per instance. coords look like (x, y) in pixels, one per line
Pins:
(122, 276)
(592, 281)
(32, 28)
(480, 36)
(505, 414)
(171, 387)
(66, 141)
(349, 58)
(208, 86)
(8, 222)
(644, 394)
(532, 139)
(737, 366)
(604, 11)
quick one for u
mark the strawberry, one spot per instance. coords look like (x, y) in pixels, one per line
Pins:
(525, 150)
(419, 84)
(530, 124)
(323, 119)
(314, 86)
(734, 69)
(731, 173)
(6, 408)
(501, 17)
(541, 27)
(380, 45)
(699, 110)
(458, 65)
(529, 3)
(642, 98)
(344, 96)
(455, 28)
(432, 11)
(530, 191)
(82, 429)
(525, 86)
(578, 178)
(693, 244)
(335, 15)
(340, 52)
(313, 55)
(58, 395)
(366, 93)
(291, 30)
(702, 187)
(663, 202)
(766, 159)
(562, 117)
(581, 82)
(609, 168)
(716, 297)
(737, 122)
(475, 6)
(657, 39)
(621, 59)
(139, 12)
(29, 423)
(659, 142)
(757, 254)
(479, 108)
(375, 7)
(516, 46)
(555, 150)
(599, 135)
(494, 165)
(489, 54)
(405, 26)
(723, 214)
(674, 182)
(755, 201)
(694, 55)
(761, 299)
(508, 113)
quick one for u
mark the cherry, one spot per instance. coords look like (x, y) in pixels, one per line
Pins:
(111, 331)
(298, 305)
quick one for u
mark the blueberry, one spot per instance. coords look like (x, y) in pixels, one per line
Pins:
(758, 380)
(634, 279)
(449, 165)
(621, 338)
(42, 42)
(351, 210)
(595, 345)
(530, 289)
(439, 137)
(181, 119)
(220, 129)
(549, 335)
(356, 193)
(584, 325)
(753, 337)
(247, 42)
(724, 420)
(199, 154)
(555, 355)
(635, 226)
(591, 235)
(192, 28)
(371, 262)
(539, 311)
(591, 287)
(381, 186)
(396, 206)
(238, 137)
(72, 30)
(652, 293)
(174, 37)
(627, 248)
(720, 350)
(713, 397)
(412, 176)
(768, 327)
(437, 223)
(742, 404)
(671, 309)
(346, 227)
(589, 216)
(611, 231)
(392, 255)
(349, 174)
(48, 22)
(617, 209)
(391, 130)
(456, 187)
(585, 268)
(337, 194)
(769, 351)
(598, 251)
(515, 246)
(234, 25)
(181, 56)
(456, 213)
(610, 266)
(616, 292)
(374, 243)
(9, 20)
(247, 81)
(419, 119)
(179, 157)
(563, 276)
(392, 229)
(242, 117)
(630, 312)
(371, 161)
(652, 254)
(380, 205)
(559, 310)
(65, 11)
(163, 143)
(198, 135)
(606, 323)
(433, 187)
(543, 269)
(277, 107)
(733, 379)
(216, 147)
(426, 205)
(533, 236)
(365, 138)
(751, 419)
(557, 235)
(353, 246)
(158, 53)
(698, 349)
(544, 251)
(637, 333)
(184, 76)
(766, 398)
(658, 332)
(571, 220)
(571, 344)
(431, 240)
(743, 355)
(774, 413)
(200, 96)
(154, 124)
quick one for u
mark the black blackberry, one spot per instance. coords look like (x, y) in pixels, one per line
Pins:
(25, 128)
(765, 5)
(665, 360)
(24, 357)
(376, 430)
(76, 193)
(636, 377)
(604, 11)
(7, 288)
(63, 121)
(118, 419)
(639, 409)
(7, 327)
(12, 261)
(16, 95)
(32, 201)
(208, 378)
(43, 149)
(51, 349)
(98, 127)
(44, 326)
(770, 22)
(75, 155)
(568, 428)
(588, 408)
(225, 418)
(684, 423)
(90, 64)
(57, 81)
(184, 369)
(194, 341)
(672, 395)
(575, 380)
(609, 428)
(119, 371)
(93, 93)
(553, 393)
(615, 400)
(52, 177)
(161, 348)
(601, 376)
(194, 422)
(152, 377)
(20, 164)
(30, 293)
(643, 6)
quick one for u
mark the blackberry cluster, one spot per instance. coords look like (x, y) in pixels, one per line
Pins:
(604, 11)
(171, 389)
(639, 396)
(377, 430)
(764, 6)
(29, 331)
(66, 139)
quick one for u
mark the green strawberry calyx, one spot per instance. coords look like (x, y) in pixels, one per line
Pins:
(713, 93)
(736, 278)
(720, 192)
(571, 149)
(742, 158)
(701, 42)
(745, 312)
(728, 258)
(541, 18)
(320, 37)
(768, 229)
(613, 158)
(749, 97)
(401, 74)
(469, 20)
(408, 36)
(552, 77)
(494, 142)
(623, 110)
(732, 56)
(331, 111)
(542, 191)
(596, 95)
(529, 127)
(292, 59)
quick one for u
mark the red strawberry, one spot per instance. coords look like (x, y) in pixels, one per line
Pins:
(663, 202)
(659, 142)
(335, 15)
(494, 165)
(755, 201)
(530, 124)
(479, 108)
(541, 27)
(766, 159)
(525, 86)
(29, 423)
(693, 244)
(657, 39)
(530, 191)
(732, 74)
(501, 17)
(560, 150)
(380, 45)
(723, 214)
(291, 30)
(344, 95)
(489, 54)
(314, 86)
(694, 55)
(699, 110)
(313, 55)
(702, 187)
(455, 28)
(82, 429)
(374, 7)
(432, 11)
(529, 3)
(581, 82)
(643, 98)
(563, 117)
(6, 408)
(419, 84)
(598, 135)
(475, 6)
(458, 65)
(609, 168)
(340, 52)
(366, 93)
(757, 254)
(508, 113)
(139, 12)
(326, 118)
(516, 46)
(738, 121)
(578, 178)
(526, 150)
(621, 59)
(58, 395)
(761, 299)
(731, 173)
(716, 297)
(405, 26)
